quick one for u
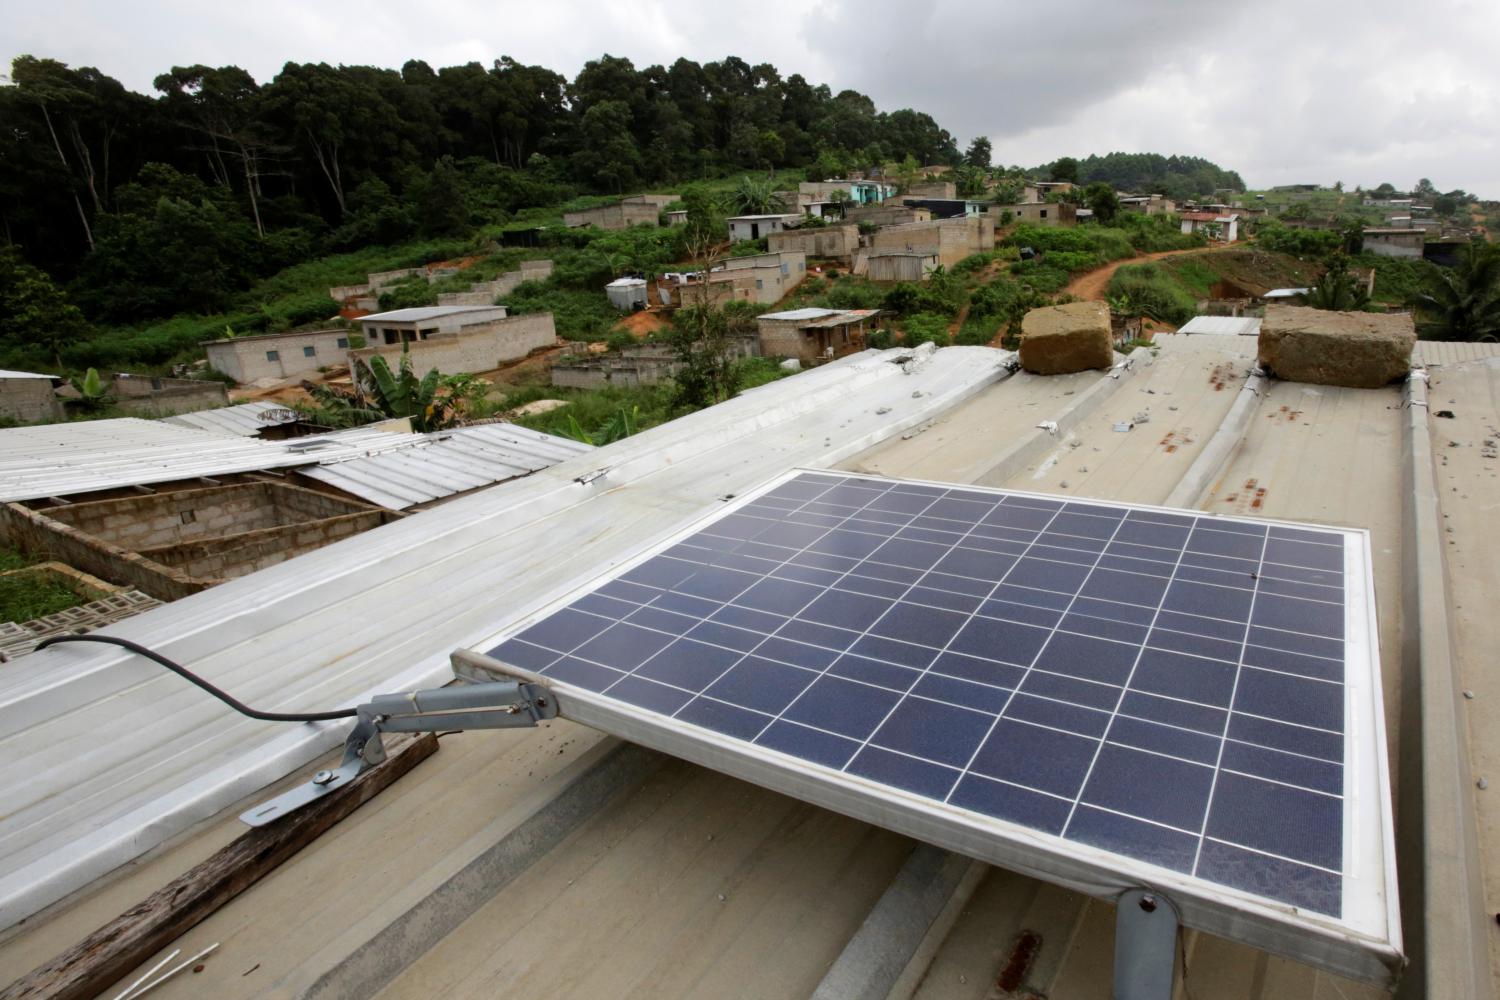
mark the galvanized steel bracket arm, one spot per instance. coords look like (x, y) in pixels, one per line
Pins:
(495, 705)
(1145, 945)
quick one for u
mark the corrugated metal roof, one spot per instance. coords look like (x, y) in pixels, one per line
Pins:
(418, 313)
(446, 463)
(1243, 326)
(84, 456)
(9, 374)
(808, 312)
(244, 420)
(1285, 293)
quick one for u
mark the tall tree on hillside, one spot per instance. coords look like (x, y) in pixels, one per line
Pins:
(607, 153)
(1102, 201)
(442, 211)
(223, 105)
(34, 313)
(1064, 168)
(1463, 302)
(980, 153)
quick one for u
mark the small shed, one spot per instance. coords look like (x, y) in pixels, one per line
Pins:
(1230, 326)
(627, 294)
(27, 397)
(901, 265)
(753, 227)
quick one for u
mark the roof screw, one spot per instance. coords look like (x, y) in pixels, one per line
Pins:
(1148, 903)
(322, 777)
(1469, 695)
(1483, 782)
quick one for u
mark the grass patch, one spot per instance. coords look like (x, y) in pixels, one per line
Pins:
(1152, 290)
(24, 596)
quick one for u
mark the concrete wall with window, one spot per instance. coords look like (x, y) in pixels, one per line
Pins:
(828, 241)
(950, 239)
(1038, 213)
(277, 356)
(1403, 243)
(764, 278)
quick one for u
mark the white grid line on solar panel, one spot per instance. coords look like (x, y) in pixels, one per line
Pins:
(1094, 602)
(1053, 699)
(628, 619)
(1120, 700)
(721, 555)
(748, 512)
(1218, 764)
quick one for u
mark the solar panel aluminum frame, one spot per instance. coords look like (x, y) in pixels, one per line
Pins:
(1365, 944)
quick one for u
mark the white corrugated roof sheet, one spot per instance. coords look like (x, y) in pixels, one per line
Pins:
(83, 456)
(1242, 326)
(10, 374)
(244, 420)
(446, 463)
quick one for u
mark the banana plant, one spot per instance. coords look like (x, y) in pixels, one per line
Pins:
(93, 395)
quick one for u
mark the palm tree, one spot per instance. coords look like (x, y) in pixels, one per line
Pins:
(1337, 289)
(753, 196)
(1462, 303)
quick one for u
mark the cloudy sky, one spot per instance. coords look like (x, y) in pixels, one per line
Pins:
(1283, 91)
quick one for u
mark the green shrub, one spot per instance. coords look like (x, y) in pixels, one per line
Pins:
(1153, 292)
(924, 327)
(977, 330)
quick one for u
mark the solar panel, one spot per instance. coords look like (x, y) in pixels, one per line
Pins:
(1101, 694)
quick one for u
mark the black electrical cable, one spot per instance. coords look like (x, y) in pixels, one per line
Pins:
(192, 678)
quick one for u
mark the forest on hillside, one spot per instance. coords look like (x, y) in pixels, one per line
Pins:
(1146, 173)
(322, 158)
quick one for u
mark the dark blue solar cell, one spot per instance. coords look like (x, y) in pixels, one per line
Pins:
(1173, 712)
(1071, 690)
(1162, 536)
(798, 654)
(782, 597)
(660, 572)
(714, 584)
(904, 575)
(633, 592)
(966, 511)
(1279, 735)
(975, 564)
(842, 707)
(943, 733)
(871, 671)
(761, 684)
(1297, 642)
(730, 720)
(1299, 885)
(1195, 645)
(1159, 560)
(1021, 614)
(1210, 682)
(589, 676)
(1299, 574)
(1038, 758)
(682, 604)
(745, 563)
(725, 635)
(1324, 557)
(1153, 844)
(1063, 715)
(1153, 787)
(1290, 822)
(1170, 740)
(919, 776)
(896, 651)
(853, 611)
(1208, 601)
(1296, 615)
(1115, 611)
(807, 574)
(904, 552)
(648, 694)
(1225, 543)
(1015, 515)
(1128, 588)
(564, 630)
(623, 646)
(1305, 591)
(852, 544)
(1104, 628)
(662, 621)
(1090, 525)
(1089, 658)
(607, 607)
(1305, 535)
(792, 536)
(1241, 578)
(999, 538)
(808, 744)
(1032, 596)
(1238, 569)
(1210, 628)
(1139, 567)
(917, 624)
(1278, 765)
(814, 634)
(748, 618)
(997, 640)
(870, 586)
(933, 536)
(956, 584)
(740, 526)
(1294, 663)
(984, 697)
(1062, 578)
(1058, 553)
(977, 669)
(1290, 699)
(519, 653)
(932, 597)
(902, 502)
(688, 664)
(1008, 802)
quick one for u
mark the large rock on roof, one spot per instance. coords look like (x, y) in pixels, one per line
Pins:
(1355, 349)
(1056, 340)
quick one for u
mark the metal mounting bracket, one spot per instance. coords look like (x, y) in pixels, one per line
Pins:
(1145, 945)
(496, 705)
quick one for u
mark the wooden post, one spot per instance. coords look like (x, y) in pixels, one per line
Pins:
(125, 943)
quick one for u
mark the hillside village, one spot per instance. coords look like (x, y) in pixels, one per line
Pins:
(460, 458)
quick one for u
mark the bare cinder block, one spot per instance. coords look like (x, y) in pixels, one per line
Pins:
(1056, 340)
(1355, 349)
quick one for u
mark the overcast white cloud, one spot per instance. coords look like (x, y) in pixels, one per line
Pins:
(1281, 90)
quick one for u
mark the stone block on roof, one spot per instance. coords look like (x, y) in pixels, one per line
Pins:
(1056, 340)
(1358, 350)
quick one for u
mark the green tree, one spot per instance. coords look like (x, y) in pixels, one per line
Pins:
(980, 153)
(1462, 303)
(969, 181)
(755, 196)
(1337, 289)
(702, 336)
(1064, 168)
(1102, 200)
(607, 153)
(34, 313)
(443, 211)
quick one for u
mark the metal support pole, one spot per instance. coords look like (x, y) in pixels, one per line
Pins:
(1145, 946)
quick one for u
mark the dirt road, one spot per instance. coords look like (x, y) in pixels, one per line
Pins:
(1091, 286)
